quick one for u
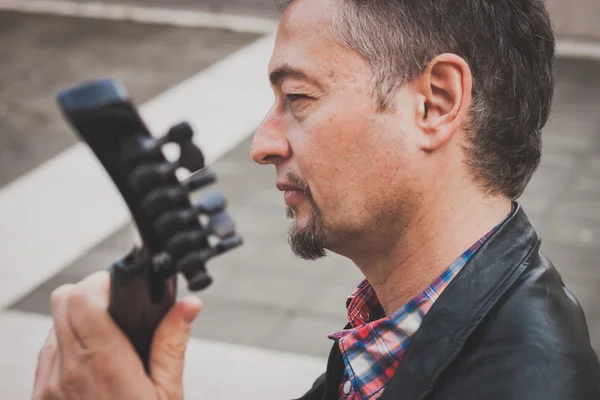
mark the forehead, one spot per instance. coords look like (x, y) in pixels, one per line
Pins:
(303, 37)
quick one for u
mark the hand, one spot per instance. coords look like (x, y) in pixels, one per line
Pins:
(87, 357)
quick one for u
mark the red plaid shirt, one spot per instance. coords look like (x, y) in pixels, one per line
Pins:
(375, 344)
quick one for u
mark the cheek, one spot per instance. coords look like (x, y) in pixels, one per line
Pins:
(332, 154)
(349, 154)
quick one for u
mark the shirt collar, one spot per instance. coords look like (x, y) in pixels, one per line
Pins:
(374, 344)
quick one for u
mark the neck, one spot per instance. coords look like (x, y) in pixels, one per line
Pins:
(428, 244)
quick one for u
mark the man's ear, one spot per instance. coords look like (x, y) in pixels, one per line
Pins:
(445, 97)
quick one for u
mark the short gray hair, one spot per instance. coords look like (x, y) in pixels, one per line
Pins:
(510, 48)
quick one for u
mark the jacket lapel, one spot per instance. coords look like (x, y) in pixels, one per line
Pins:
(461, 307)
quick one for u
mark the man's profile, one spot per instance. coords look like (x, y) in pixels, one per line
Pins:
(402, 133)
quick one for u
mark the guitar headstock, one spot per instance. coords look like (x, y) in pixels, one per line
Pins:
(174, 238)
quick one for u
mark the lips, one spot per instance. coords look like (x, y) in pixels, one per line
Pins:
(292, 194)
(293, 197)
(285, 187)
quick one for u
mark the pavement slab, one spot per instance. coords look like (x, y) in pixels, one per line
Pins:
(46, 54)
(204, 373)
(253, 8)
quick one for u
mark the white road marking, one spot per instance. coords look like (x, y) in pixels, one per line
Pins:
(578, 49)
(144, 14)
(213, 370)
(570, 48)
(66, 206)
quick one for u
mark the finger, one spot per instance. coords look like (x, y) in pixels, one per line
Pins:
(66, 373)
(65, 339)
(169, 345)
(88, 311)
(53, 388)
(46, 360)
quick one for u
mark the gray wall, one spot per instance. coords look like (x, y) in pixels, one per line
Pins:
(576, 18)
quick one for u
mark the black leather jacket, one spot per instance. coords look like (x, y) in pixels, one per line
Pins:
(505, 328)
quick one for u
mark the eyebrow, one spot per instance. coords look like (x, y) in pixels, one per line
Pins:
(285, 71)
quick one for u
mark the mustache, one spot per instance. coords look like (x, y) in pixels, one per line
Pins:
(297, 181)
(302, 185)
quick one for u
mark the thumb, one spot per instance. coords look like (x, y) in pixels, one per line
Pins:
(169, 345)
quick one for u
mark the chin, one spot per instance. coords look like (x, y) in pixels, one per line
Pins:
(302, 221)
(299, 215)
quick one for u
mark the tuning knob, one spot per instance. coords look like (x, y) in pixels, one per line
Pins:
(184, 243)
(194, 270)
(199, 180)
(161, 200)
(171, 223)
(199, 281)
(211, 203)
(229, 243)
(190, 157)
(193, 265)
(146, 177)
(221, 225)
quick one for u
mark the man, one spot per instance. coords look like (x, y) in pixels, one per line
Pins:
(402, 132)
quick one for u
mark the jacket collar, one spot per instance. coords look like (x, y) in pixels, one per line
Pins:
(463, 305)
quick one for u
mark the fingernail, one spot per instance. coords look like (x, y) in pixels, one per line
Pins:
(192, 309)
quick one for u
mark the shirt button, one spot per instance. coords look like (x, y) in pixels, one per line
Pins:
(347, 387)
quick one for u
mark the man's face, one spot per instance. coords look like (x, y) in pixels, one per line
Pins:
(345, 168)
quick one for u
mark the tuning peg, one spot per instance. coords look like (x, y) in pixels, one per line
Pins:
(190, 157)
(199, 281)
(194, 270)
(161, 200)
(148, 176)
(179, 133)
(171, 223)
(229, 243)
(211, 203)
(184, 243)
(193, 265)
(187, 242)
(199, 180)
(221, 225)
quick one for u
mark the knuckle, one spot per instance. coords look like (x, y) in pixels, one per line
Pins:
(60, 294)
(82, 298)
(50, 345)
(99, 276)
(172, 392)
(175, 349)
(71, 378)
(52, 391)
(48, 349)
(78, 297)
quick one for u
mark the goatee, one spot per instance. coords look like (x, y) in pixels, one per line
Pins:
(308, 242)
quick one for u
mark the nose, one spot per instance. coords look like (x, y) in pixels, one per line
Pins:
(270, 144)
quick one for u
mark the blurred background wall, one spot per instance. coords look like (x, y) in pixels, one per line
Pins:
(576, 18)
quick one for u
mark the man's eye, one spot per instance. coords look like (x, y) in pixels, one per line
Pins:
(294, 96)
